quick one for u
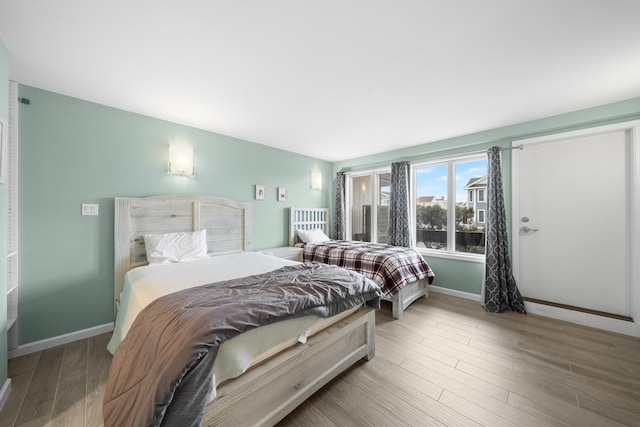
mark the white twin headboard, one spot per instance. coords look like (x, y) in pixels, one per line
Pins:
(228, 225)
(307, 219)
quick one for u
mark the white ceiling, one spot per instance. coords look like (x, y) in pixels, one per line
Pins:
(332, 79)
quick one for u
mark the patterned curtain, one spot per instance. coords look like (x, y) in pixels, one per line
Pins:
(500, 290)
(399, 228)
(340, 208)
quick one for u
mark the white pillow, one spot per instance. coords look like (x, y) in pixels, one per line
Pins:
(176, 247)
(312, 236)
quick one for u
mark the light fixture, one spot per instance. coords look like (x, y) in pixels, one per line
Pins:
(316, 181)
(181, 160)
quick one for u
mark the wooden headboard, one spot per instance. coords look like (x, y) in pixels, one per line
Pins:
(228, 225)
(307, 219)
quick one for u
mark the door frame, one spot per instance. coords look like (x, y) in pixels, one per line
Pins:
(374, 194)
(632, 128)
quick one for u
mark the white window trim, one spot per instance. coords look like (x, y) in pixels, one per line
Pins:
(484, 216)
(373, 173)
(450, 253)
(432, 253)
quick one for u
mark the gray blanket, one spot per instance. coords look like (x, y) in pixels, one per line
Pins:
(161, 372)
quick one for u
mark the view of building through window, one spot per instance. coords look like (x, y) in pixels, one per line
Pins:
(451, 205)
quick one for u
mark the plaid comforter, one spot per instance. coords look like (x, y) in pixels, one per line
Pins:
(391, 267)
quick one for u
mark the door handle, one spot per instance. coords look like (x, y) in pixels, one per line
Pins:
(525, 229)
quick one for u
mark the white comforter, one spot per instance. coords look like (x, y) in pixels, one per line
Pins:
(145, 284)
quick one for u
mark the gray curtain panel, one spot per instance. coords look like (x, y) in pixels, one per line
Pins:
(500, 290)
(340, 218)
(399, 227)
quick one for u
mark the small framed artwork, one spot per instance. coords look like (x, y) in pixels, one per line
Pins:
(3, 152)
(282, 194)
(260, 192)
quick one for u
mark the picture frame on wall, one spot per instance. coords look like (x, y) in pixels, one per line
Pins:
(260, 192)
(282, 194)
(3, 152)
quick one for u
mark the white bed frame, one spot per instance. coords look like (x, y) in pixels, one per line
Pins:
(313, 218)
(266, 393)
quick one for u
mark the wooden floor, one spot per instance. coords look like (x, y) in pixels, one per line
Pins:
(446, 362)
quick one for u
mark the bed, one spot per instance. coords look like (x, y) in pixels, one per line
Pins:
(402, 273)
(282, 373)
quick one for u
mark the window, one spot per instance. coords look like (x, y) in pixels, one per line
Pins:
(445, 210)
(365, 190)
(431, 206)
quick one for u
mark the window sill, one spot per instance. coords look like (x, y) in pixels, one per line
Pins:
(448, 255)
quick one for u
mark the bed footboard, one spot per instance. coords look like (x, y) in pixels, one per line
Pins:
(406, 296)
(268, 392)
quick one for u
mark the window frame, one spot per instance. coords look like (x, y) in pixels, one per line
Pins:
(481, 199)
(375, 199)
(484, 216)
(450, 161)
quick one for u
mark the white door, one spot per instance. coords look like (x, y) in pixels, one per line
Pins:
(572, 219)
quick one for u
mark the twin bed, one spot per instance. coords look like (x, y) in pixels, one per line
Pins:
(401, 273)
(274, 364)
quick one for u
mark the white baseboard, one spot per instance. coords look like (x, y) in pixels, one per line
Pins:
(455, 293)
(4, 392)
(60, 340)
(585, 319)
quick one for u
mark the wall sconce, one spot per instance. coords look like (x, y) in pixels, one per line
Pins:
(316, 181)
(181, 161)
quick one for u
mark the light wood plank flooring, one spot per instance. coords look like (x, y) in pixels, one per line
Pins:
(446, 362)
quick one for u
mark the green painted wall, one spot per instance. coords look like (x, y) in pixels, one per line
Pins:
(74, 152)
(464, 275)
(4, 116)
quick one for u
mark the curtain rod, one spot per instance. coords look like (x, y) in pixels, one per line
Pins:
(515, 147)
(471, 153)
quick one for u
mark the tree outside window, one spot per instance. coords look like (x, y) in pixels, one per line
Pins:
(442, 199)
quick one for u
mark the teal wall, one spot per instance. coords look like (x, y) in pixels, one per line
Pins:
(74, 152)
(466, 276)
(4, 115)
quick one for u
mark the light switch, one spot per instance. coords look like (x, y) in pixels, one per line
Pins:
(89, 209)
